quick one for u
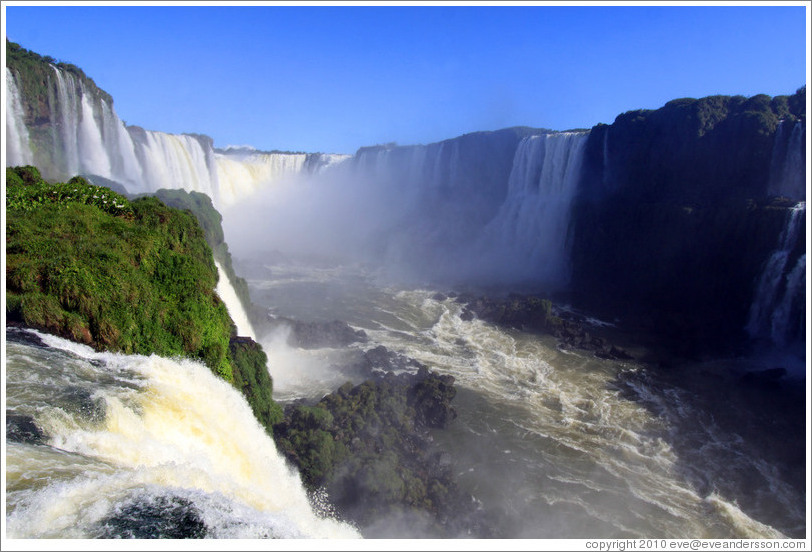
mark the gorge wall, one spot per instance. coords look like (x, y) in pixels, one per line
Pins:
(680, 210)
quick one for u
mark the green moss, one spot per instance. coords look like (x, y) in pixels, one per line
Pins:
(138, 276)
(200, 205)
(365, 444)
(134, 276)
(251, 377)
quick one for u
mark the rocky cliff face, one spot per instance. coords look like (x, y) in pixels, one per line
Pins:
(680, 209)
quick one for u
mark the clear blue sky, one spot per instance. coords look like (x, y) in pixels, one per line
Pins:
(335, 78)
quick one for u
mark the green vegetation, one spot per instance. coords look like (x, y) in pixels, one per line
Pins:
(252, 378)
(33, 71)
(135, 277)
(210, 220)
(131, 276)
(27, 192)
(366, 445)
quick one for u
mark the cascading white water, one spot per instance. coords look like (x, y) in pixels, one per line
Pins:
(241, 175)
(175, 161)
(126, 432)
(787, 168)
(328, 161)
(777, 289)
(89, 138)
(18, 151)
(606, 172)
(528, 236)
(68, 121)
(117, 141)
(782, 319)
(229, 296)
(93, 155)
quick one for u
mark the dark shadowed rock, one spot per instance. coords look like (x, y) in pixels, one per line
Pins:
(22, 429)
(764, 378)
(160, 517)
(19, 334)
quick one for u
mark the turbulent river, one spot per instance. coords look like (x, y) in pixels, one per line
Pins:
(549, 443)
(561, 444)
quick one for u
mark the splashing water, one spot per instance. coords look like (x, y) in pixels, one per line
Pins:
(133, 436)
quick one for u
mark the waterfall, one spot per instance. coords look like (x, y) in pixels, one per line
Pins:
(528, 237)
(18, 151)
(139, 445)
(93, 158)
(788, 164)
(327, 161)
(175, 161)
(771, 313)
(117, 140)
(782, 318)
(241, 175)
(87, 137)
(67, 124)
(235, 308)
(606, 175)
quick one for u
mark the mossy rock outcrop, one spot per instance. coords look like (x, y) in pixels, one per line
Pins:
(136, 277)
(369, 447)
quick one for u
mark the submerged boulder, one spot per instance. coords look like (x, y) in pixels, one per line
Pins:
(22, 429)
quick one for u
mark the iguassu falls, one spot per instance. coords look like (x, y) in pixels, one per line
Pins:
(625, 330)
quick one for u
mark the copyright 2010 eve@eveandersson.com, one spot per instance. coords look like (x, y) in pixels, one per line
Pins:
(622, 545)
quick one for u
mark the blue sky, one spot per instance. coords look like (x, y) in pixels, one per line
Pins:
(336, 78)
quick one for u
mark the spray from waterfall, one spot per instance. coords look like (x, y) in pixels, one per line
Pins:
(429, 212)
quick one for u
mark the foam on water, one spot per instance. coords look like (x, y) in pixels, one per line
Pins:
(596, 438)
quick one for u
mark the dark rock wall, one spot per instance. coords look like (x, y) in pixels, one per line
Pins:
(675, 218)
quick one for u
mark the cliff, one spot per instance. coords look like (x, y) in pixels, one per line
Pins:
(200, 205)
(135, 276)
(679, 210)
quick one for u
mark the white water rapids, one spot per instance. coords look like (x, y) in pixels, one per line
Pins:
(133, 434)
(552, 443)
